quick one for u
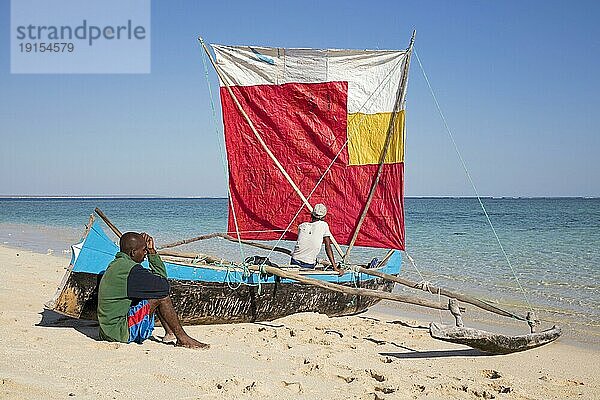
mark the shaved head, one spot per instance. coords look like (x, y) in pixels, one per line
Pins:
(131, 241)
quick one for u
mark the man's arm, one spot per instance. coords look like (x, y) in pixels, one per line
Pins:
(143, 284)
(329, 252)
(156, 264)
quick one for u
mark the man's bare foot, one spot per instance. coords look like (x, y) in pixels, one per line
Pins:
(191, 343)
(169, 338)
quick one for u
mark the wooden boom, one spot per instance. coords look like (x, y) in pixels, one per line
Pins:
(226, 237)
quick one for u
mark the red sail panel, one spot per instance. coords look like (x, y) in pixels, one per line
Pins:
(304, 125)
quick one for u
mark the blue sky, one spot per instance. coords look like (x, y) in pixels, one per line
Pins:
(518, 82)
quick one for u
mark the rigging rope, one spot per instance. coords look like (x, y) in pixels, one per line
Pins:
(225, 170)
(464, 165)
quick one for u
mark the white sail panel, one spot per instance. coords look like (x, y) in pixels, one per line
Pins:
(373, 76)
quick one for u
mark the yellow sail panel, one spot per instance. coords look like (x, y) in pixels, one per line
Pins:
(366, 138)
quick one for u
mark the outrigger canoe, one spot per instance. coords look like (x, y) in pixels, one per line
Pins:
(209, 291)
(325, 125)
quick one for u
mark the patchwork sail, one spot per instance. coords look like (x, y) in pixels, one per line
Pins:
(326, 116)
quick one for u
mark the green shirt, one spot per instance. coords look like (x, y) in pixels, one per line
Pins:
(113, 303)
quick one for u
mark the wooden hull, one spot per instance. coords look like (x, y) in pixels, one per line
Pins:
(214, 294)
(493, 343)
(216, 303)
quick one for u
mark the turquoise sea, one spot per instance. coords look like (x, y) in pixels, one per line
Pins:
(552, 243)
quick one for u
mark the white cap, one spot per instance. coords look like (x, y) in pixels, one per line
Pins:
(319, 210)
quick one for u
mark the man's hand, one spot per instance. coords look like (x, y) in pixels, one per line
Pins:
(149, 243)
(339, 269)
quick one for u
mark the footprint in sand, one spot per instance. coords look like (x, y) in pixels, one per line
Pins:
(347, 379)
(491, 374)
(377, 376)
(227, 384)
(502, 388)
(574, 382)
(105, 345)
(293, 385)
(418, 388)
(385, 389)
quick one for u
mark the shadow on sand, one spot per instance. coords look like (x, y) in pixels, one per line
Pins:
(51, 319)
(438, 354)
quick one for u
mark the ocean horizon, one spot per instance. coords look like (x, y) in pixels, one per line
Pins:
(163, 197)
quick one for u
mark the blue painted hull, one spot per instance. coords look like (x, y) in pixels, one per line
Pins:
(204, 293)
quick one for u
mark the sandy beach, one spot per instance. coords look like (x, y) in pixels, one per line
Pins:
(45, 355)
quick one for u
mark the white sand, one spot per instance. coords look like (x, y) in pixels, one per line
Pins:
(304, 356)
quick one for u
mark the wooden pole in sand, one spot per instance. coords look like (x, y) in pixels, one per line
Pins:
(260, 139)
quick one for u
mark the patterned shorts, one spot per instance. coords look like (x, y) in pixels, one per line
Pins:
(140, 321)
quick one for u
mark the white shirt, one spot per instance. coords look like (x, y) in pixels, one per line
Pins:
(310, 239)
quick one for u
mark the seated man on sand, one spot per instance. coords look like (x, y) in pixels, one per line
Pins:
(129, 295)
(311, 235)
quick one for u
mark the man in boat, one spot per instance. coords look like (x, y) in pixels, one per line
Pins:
(311, 235)
(129, 295)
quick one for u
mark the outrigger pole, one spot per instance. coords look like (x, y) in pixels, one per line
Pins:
(367, 271)
(349, 290)
(226, 237)
(289, 275)
(260, 140)
(444, 292)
